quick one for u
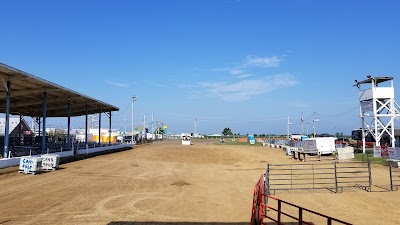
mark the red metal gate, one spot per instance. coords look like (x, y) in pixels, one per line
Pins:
(260, 206)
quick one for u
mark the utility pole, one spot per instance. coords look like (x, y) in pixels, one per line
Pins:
(195, 126)
(92, 119)
(152, 123)
(33, 127)
(302, 124)
(144, 127)
(314, 120)
(307, 129)
(288, 127)
(133, 100)
(125, 124)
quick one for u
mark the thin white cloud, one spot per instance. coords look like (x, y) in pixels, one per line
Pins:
(267, 62)
(117, 84)
(245, 89)
(251, 62)
(245, 75)
(235, 71)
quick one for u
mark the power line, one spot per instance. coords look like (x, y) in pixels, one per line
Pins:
(225, 118)
(340, 114)
(122, 113)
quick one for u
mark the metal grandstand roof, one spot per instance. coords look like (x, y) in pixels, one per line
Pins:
(27, 96)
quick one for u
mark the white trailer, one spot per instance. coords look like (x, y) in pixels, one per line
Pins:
(318, 145)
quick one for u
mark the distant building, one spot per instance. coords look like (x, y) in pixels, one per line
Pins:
(14, 126)
(214, 135)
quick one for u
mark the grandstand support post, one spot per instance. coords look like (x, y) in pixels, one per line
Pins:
(20, 129)
(86, 125)
(43, 150)
(100, 127)
(39, 123)
(44, 122)
(336, 177)
(7, 128)
(69, 126)
(109, 131)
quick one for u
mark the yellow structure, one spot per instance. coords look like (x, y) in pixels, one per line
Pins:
(104, 138)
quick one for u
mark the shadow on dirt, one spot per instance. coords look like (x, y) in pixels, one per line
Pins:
(14, 169)
(90, 155)
(191, 223)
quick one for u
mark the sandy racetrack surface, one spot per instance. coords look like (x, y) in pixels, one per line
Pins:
(168, 183)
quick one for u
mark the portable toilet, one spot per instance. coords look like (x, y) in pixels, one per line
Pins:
(186, 139)
(251, 139)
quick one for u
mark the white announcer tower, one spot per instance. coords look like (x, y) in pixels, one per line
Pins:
(377, 108)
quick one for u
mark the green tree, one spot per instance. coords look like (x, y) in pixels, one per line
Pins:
(227, 131)
(159, 130)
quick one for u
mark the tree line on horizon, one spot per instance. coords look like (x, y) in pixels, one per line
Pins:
(228, 132)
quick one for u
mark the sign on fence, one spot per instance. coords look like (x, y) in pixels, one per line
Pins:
(377, 151)
(384, 152)
(397, 153)
(391, 153)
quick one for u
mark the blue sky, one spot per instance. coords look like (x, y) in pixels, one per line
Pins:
(247, 65)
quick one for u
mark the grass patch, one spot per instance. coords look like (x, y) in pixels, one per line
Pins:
(370, 156)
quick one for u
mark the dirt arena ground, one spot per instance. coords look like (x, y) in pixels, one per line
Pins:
(167, 183)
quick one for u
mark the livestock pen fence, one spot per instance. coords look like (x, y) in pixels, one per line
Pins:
(283, 212)
(394, 177)
(333, 176)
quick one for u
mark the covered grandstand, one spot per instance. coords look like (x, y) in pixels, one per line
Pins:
(23, 94)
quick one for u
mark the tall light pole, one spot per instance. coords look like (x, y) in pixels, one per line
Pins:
(314, 120)
(152, 123)
(195, 126)
(302, 124)
(144, 127)
(288, 127)
(125, 120)
(307, 129)
(133, 100)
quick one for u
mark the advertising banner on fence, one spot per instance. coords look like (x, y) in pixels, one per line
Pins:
(377, 151)
(391, 153)
(384, 152)
(397, 152)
